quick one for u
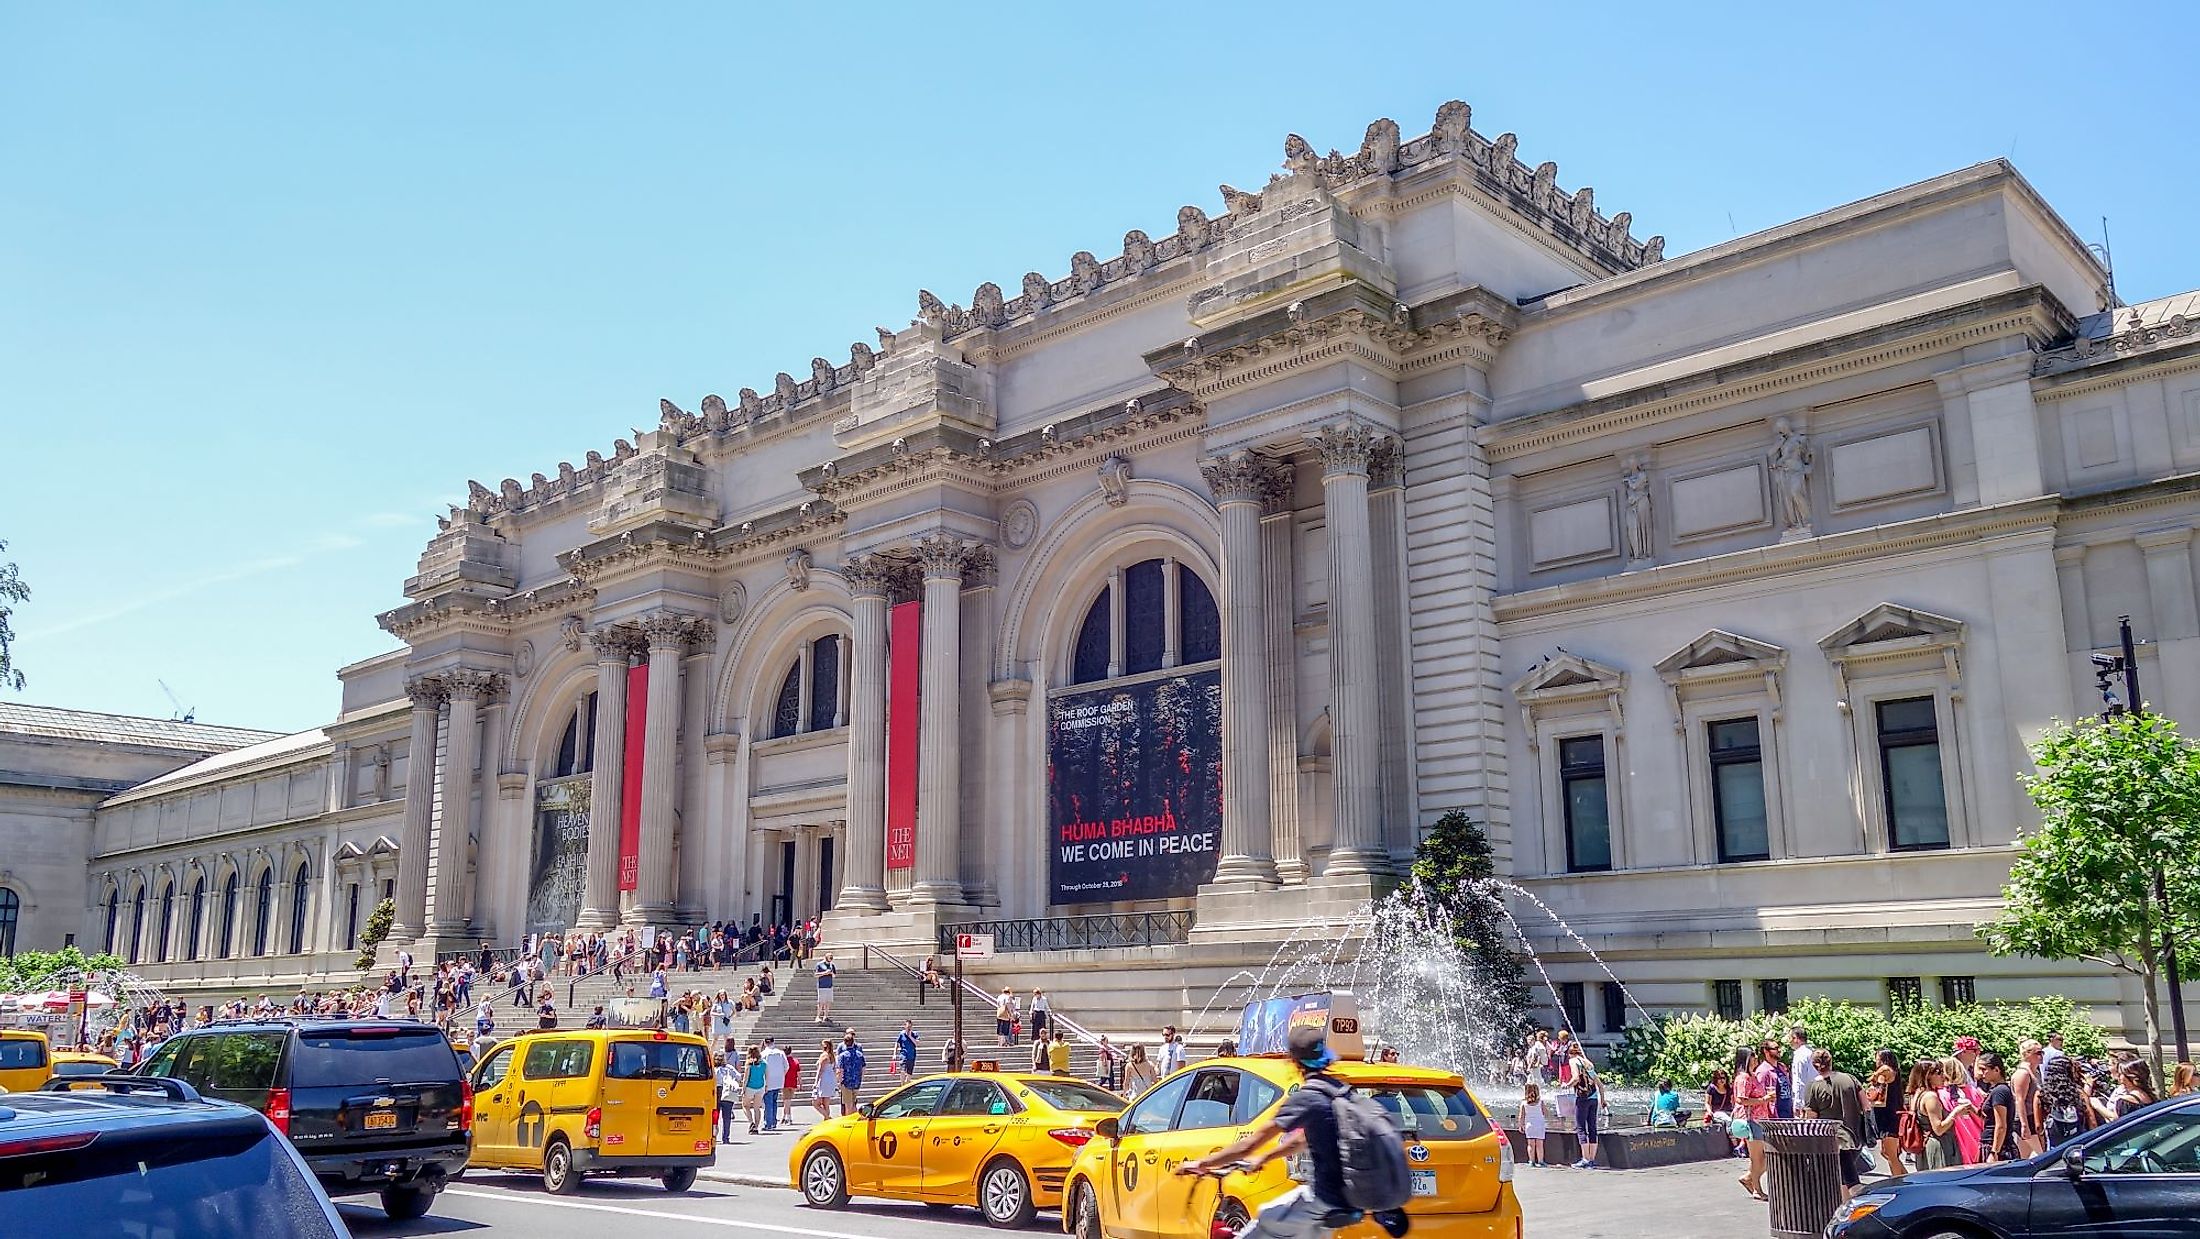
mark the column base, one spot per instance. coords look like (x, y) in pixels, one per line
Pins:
(1359, 863)
(936, 895)
(1245, 873)
(860, 900)
(597, 918)
(653, 914)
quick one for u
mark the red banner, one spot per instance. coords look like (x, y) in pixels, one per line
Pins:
(630, 783)
(905, 633)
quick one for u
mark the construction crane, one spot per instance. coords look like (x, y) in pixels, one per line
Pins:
(184, 713)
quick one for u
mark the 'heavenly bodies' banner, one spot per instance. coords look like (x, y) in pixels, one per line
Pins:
(1134, 790)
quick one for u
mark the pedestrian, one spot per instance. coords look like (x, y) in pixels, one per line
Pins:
(2135, 1089)
(1801, 1072)
(825, 974)
(1534, 1124)
(721, 1017)
(1837, 1095)
(657, 986)
(1109, 1065)
(1058, 1054)
(2024, 1087)
(1999, 1141)
(1004, 1018)
(1588, 1104)
(1038, 1055)
(484, 1022)
(825, 1080)
(1562, 1076)
(1883, 1093)
(905, 1049)
(752, 1088)
(2181, 1080)
(775, 1082)
(1535, 1060)
(2062, 1099)
(1935, 1108)
(1971, 1124)
(850, 1062)
(1172, 1050)
(730, 1085)
(951, 1055)
(1753, 1107)
(1139, 1074)
(596, 1017)
(1041, 1014)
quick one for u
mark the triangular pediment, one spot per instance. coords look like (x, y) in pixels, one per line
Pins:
(1567, 673)
(1720, 648)
(1889, 622)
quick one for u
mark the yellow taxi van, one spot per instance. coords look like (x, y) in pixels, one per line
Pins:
(622, 1102)
(26, 1061)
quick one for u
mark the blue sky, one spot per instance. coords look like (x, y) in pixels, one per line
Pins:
(276, 280)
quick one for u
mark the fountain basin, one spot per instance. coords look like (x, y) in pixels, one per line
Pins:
(1632, 1148)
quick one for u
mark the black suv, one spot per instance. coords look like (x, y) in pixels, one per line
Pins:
(374, 1105)
(127, 1155)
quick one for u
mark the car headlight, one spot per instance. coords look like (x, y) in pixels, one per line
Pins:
(1862, 1207)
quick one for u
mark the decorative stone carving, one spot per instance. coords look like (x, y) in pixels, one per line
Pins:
(1137, 251)
(670, 630)
(622, 450)
(523, 660)
(987, 308)
(1653, 250)
(822, 376)
(783, 387)
(426, 690)
(1379, 149)
(473, 684)
(1345, 447)
(930, 308)
(511, 493)
(1038, 293)
(611, 643)
(1084, 272)
(1453, 121)
(752, 405)
(732, 601)
(1191, 228)
(570, 631)
(1242, 476)
(380, 759)
(715, 417)
(869, 575)
(1019, 524)
(672, 419)
(1582, 211)
(1115, 480)
(1543, 190)
(798, 569)
(1791, 461)
(945, 555)
(565, 475)
(1299, 158)
(861, 357)
(1502, 154)
(1640, 526)
(1238, 203)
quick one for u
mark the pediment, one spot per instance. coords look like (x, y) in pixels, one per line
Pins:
(1720, 648)
(1891, 622)
(1566, 674)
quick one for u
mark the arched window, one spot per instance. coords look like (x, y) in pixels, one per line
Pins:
(577, 750)
(228, 942)
(198, 918)
(114, 908)
(11, 912)
(263, 910)
(137, 922)
(1139, 624)
(813, 695)
(298, 910)
(167, 917)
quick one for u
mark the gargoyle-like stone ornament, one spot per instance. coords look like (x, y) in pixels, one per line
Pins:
(1115, 480)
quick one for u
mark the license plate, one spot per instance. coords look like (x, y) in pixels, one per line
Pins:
(380, 1120)
(1424, 1183)
(676, 1122)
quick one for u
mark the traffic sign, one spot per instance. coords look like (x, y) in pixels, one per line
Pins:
(974, 946)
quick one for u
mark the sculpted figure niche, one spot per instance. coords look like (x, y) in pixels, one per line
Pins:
(1641, 525)
(1791, 461)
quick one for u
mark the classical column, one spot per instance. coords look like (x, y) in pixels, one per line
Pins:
(1241, 482)
(600, 889)
(461, 751)
(944, 559)
(412, 840)
(1278, 529)
(1385, 511)
(668, 634)
(863, 886)
(1354, 683)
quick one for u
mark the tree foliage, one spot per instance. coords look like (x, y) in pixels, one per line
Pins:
(31, 971)
(378, 928)
(12, 591)
(1453, 866)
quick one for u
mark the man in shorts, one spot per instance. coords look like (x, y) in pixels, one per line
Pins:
(1839, 1096)
(1314, 1209)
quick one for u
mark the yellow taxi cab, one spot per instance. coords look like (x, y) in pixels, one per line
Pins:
(73, 1063)
(623, 1102)
(1001, 1141)
(25, 1061)
(1124, 1184)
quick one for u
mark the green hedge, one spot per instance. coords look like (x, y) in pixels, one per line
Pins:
(1684, 1048)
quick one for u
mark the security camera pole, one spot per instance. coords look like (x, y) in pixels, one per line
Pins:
(2136, 704)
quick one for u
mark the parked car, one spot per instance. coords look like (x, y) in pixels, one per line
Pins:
(2135, 1178)
(78, 1063)
(623, 1102)
(374, 1105)
(128, 1155)
(26, 1062)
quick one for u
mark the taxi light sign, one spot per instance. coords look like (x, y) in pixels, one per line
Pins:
(1264, 1028)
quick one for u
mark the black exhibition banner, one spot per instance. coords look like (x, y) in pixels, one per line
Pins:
(1134, 789)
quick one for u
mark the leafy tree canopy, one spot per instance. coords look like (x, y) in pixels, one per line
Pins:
(31, 971)
(12, 591)
(1453, 865)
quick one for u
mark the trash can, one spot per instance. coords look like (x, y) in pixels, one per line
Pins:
(1802, 1175)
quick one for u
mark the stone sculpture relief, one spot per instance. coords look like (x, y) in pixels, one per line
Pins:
(523, 660)
(1019, 524)
(798, 569)
(732, 601)
(1791, 461)
(1115, 480)
(1641, 525)
(381, 760)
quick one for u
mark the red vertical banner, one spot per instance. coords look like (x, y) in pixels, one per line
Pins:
(630, 783)
(904, 635)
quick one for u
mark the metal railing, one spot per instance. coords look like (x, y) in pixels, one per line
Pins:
(976, 991)
(1076, 933)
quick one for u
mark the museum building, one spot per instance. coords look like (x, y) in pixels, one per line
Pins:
(1186, 589)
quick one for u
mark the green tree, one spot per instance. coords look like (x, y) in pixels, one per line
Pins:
(30, 971)
(12, 591)
(1453, 866)
(378, 928)
(2115, 863)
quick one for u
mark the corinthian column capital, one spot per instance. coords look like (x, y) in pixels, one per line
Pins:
(473, 685)
(426, 690)
(612, 644)
(943, 556)
(1243, 476)
(869, 576)
(671, 631)
(1347, 447)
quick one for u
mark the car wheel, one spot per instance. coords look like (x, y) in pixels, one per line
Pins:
(824, 1179)
(1231, 1218)
(403, 1204)
(679, 1180)
(558, 1176)
(1004, 1196)
(1085, 1213)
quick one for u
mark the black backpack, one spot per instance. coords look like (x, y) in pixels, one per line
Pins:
(1372, 1149)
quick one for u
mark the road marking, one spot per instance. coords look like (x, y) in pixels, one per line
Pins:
(666, 1214)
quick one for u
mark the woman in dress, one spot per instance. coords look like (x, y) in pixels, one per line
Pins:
(1935, 1107)
(1139, 1074)
(1755, 1094)
(1883, 1093)
(825, 1080)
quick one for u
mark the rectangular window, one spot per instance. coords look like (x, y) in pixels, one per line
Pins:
(1726, 999)
(1573, 1002)
(1738, 790)
(1772, 997)
(1909, 774)
(1905, 993)
(824, 683)
(1958, 991)
(1588, 810)
(351, 919)
(1615, 1007)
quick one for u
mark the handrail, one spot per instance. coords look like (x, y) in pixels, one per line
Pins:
(975, 990)
(1071, 933)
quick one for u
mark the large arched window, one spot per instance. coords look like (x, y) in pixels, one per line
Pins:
(192, 940)
(298, 910)
(114, 909)
(137, 923)
(167, 917)
(1140, 624)
(813, 695)
(263, 910)
(228, 941)
(11, 912)
(577, 750)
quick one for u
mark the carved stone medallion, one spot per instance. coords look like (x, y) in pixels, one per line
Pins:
(1019, 524)
(732, 601)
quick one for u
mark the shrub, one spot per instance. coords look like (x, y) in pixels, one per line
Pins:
(378, 928)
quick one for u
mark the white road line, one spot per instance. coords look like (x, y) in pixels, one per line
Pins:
(666, 1214)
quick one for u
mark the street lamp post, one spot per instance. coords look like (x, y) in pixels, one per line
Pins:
(2107, 666)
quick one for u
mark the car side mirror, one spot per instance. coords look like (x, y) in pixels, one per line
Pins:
(2073, 1161)
(866, 1110)
(1106, 1128)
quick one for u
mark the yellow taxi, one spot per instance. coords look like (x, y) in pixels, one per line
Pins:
(25, 1061)
(623, 1102)
(73, 1063)
(1000, 1141)
(1124, 1184)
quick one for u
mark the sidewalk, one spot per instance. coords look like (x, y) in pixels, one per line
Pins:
(756, 1161)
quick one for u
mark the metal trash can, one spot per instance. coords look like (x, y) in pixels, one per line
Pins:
(1802, 1175)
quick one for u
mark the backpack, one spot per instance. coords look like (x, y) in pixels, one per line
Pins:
(1909, 1133)
(1373, 1152)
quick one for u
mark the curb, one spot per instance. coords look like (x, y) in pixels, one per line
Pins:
(742, 1180)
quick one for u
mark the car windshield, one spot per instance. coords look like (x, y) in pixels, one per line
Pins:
(81, 1069)
(1072, 1095)
(1429, 1111)
(657, 1060)
(364, 1058)
(237, 1182)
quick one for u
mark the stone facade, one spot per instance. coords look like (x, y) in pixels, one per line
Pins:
(1726, 590)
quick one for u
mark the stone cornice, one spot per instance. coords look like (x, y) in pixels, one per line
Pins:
(2109, 373)
(2029, 310)
(1926, 533)
(488, 615)
(2124, 499)
(1354, 320)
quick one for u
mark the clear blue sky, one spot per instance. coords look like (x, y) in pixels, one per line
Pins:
(275, 280)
